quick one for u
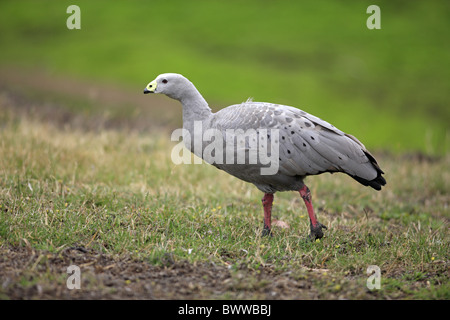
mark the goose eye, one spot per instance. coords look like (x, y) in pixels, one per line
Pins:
(164, 81)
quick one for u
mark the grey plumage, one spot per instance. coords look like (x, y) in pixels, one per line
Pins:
(307, 145)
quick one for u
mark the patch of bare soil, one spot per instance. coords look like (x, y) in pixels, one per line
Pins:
(26, 273)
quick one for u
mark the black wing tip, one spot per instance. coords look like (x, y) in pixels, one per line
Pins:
(376, 183)
(379, 181)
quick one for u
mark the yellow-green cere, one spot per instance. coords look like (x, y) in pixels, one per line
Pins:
(152, 86)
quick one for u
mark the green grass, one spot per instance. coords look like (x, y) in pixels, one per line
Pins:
(388, 86)
(118, 192)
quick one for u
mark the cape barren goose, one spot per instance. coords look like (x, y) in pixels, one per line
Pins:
(289, 144)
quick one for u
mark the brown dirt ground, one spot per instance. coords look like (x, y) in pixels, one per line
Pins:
(26, 273)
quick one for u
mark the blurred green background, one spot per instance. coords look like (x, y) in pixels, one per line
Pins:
(389, 87)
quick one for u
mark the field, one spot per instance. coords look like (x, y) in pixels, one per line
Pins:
(86, 176)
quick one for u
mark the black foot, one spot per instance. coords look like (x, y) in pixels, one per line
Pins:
(266, 232)
(316, 231)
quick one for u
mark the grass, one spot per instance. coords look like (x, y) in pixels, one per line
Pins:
(117, 192)
(317, 56)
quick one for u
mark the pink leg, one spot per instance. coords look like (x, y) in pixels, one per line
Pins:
(267, 201)
(306, 195)
(316, 226)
